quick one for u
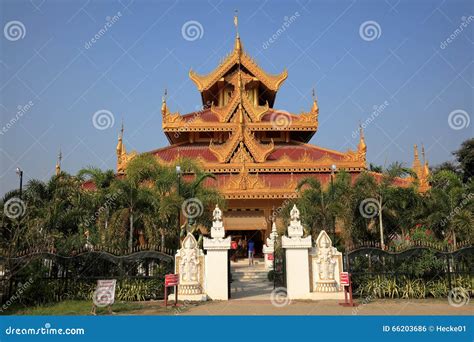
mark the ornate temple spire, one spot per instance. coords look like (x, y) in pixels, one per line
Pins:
(164, 108)
(120, 150)
(237, 56)
(362, 147)
(238, 43)
(122, 156)
(425, 172)
(58, 163)
(315, 107)
(416, 161)
(426, 169)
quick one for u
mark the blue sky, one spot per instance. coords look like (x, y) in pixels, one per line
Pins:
(46, 70)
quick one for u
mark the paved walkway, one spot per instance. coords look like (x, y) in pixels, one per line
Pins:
(250, 282)
(330, 307)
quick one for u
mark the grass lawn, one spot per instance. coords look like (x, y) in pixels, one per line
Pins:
(83, 307)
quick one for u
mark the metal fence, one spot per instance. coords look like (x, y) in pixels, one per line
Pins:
(434, 272)
(37, 276)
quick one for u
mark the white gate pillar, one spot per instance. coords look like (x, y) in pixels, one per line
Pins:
(217, 247)
(297, 258)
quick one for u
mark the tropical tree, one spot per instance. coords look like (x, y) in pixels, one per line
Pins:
(101, 199)
(449, 207)
(465, 157)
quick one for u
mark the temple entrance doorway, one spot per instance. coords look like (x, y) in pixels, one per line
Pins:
(242, 237)
(248, 281)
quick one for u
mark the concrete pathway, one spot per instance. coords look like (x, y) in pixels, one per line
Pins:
(396, 307)
(250, 282)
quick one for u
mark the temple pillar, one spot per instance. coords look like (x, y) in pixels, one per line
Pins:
(296, 254)
(217, 259)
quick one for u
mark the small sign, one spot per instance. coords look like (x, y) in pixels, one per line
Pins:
(344, 278)
(270, 256)
(172, 280)
(104, 295)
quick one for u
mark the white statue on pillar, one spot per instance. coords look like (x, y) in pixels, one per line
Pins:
(217, 247)
(295, 229)
(297, 262)
(269, 248)
(217, 229)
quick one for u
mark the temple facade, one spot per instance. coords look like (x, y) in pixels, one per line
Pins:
(257, 153)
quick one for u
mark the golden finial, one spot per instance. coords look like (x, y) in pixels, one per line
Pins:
(164, 108)
(58, 163)
(236, 22)
(238, 45)
(120, 147)
(426, 169)
(362, 147)
(315, 107)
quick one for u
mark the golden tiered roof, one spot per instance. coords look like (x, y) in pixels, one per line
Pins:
(238, 56)
(255, 150)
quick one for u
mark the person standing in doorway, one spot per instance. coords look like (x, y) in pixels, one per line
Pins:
(251, 246)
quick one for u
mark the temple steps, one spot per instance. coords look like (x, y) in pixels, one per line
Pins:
(250, 282)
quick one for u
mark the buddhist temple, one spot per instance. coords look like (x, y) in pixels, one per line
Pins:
(257, 152)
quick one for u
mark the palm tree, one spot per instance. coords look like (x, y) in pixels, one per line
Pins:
(133, 198)
(101, 198)
(315, 206)
(383, 190)
(449, 206)
(342, 205)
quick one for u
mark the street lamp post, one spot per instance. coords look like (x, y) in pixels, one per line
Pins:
(333, 171)
(19, 172)
(178, 173)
